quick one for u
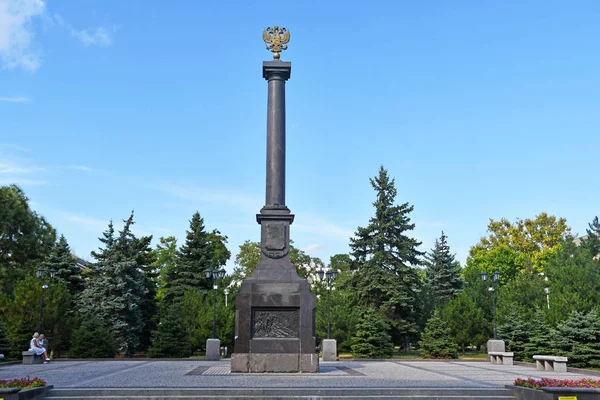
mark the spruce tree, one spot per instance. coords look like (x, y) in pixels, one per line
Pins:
(92, 340)
(515, 332)
(592, 242)
(443, 272)
(194, 257)
(436, 341)
(385, 259)
(115, 289)
(171, 339)
(371, 338)
(539, 340)
(65, 265)
(578, 338)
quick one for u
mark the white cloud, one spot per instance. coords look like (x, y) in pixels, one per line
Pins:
(320, 226)
(89, 223)
(311, 249)
(22, 181)
(225, 197)
(81, 168)
(17, 99)
(16, 33)
(100, 36)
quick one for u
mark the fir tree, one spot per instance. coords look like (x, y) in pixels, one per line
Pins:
(443, 271)
(592, 242)
(515, 332)
(539, 340)
(92, 340)
(170, 339)
(115, 290)
(65, 265)
(194, 257)
(579, 339)
(385, 277)
(436, 341)
(5, 345)
(371, 339)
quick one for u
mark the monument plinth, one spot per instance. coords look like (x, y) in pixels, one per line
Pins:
(275, 310)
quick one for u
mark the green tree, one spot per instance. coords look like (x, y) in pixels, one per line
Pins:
(170, 339)
(343, 318)
(385, 259)
(165, 259)
(522, 295)
(436, 341)
(443, 272)
(516, 333)
(5, 344)
(26, 238)
(512, 248)
(539, 340)
(65, 265)
(194, 257)
(578, 338)
(592, 241)
(92, 340)
(574, 277)
(466, 321)
(371, 338)
(115, 288)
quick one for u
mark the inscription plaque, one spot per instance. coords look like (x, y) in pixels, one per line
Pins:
(275, 323)
(275, 236)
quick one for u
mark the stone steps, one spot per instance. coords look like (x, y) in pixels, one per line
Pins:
(282, 393)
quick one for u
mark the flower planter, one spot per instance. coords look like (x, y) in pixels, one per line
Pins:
(37, 393)
(554, 393)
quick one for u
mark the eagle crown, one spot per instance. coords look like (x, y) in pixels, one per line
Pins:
(276, 39)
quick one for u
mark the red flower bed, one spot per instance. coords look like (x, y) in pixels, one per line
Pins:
(23, 383)
(547, 382)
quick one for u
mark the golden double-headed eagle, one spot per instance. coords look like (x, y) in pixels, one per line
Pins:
(276, 39)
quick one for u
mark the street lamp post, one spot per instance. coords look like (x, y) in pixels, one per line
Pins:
(41, 271)
(547, 291)
(329, 277)
(492, 288)
(213, 275)
(226, 291)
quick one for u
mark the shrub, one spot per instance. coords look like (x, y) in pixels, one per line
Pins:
(170, 339)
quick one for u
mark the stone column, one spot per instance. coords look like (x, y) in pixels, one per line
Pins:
(276, 73)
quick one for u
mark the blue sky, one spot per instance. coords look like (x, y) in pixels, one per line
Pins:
(478, 109)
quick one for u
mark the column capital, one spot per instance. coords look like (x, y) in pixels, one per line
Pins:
(277, 70)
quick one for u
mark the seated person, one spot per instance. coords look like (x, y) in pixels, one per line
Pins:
(37, 348)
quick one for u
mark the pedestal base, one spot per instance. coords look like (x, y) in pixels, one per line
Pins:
(212, 350)
(329, 350)
(274, 362)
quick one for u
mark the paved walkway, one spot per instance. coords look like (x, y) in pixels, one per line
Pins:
(196, 373)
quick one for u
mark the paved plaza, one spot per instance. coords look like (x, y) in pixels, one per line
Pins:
(158, 373)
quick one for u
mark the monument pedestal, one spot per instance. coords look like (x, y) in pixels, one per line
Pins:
(275, 309)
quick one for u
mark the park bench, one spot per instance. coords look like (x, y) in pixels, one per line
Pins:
(29, 358)
(501, 357)
(550, 363)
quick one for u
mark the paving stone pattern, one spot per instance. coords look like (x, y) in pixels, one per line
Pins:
(216, 374)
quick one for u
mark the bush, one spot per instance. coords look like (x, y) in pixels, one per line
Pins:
(437, 341)
(578, 338)
(92, 340)
(371, 339)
